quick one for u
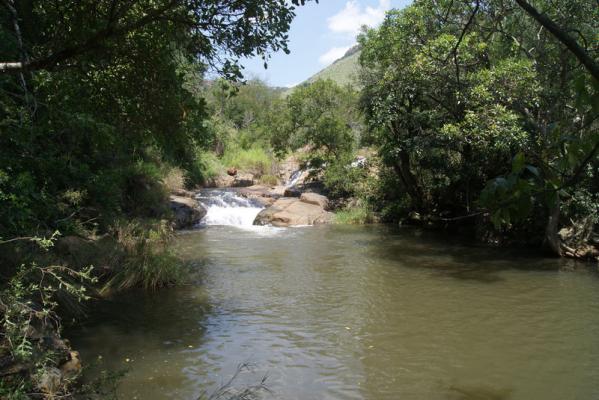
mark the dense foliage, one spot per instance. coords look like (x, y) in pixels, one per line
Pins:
(322, 119)
(479, 111)
(99, 92)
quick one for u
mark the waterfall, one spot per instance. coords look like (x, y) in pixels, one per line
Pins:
(294, 178)
(226, 207)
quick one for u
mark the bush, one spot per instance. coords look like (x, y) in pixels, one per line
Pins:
(206, 166)
(342, 180)
(175, 179)
(358, 215)
(144, 194)
(255, 160)
(30, 326)
(147, 260)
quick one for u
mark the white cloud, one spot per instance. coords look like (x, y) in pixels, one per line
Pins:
(290, 85)
(353, 16)
(332, 55)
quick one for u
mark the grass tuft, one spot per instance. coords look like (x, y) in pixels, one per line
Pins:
(175, 179)
(255, 160)
(359, 215)
(147, 261)
(269, 180)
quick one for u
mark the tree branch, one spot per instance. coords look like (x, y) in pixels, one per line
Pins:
(95, 41)
(580, 53)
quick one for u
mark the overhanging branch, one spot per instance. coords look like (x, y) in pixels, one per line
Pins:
(95, 41)
(580, 53)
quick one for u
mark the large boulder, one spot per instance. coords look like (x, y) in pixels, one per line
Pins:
(188, 212)
(293, 212)
(316, 199)
(220, 181)
(243, 180)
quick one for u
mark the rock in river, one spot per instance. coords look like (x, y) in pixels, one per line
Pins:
(288, 211)
(188, 212)
(316, 199)
(266, 195)
(243, 180)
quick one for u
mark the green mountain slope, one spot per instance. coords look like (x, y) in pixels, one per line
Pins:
(343, 71)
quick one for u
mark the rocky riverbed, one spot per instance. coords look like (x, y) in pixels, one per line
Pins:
(297, 203)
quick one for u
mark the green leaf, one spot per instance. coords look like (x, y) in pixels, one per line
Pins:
(518, 163)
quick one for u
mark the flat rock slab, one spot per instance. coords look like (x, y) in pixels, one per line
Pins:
(243, 180)
(293, 212)
(262, 191)
(266, 195)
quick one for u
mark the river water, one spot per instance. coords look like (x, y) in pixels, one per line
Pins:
(354, 312)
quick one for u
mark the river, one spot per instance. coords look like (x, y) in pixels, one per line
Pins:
(354, 312)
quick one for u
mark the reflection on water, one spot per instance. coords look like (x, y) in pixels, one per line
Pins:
(338, 312)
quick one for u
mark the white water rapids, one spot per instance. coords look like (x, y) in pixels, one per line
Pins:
(226, 207)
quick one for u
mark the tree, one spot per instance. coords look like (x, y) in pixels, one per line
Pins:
(560, 34)
(320, 115)
(62, 34)
(460, 92)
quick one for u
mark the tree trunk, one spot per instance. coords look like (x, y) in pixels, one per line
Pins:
(552, 239)
(403, 170)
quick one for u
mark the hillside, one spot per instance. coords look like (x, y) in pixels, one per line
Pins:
(343, 71)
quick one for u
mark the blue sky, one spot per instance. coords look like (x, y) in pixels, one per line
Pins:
(320, 33)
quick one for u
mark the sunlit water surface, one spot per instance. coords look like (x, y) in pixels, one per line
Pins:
(337, 312)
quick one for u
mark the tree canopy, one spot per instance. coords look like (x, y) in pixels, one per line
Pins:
(460, 93)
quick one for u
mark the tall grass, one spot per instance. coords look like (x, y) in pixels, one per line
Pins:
(147, 261)
(206, 167)
(255, 160)
(175, 179)
(359, 215)
(270, 180)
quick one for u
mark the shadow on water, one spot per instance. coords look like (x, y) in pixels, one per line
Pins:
(458, 257)
(462, 392)
(153, 329)
(160, 311)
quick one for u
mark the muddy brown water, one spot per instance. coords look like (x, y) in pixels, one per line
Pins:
(354, 312)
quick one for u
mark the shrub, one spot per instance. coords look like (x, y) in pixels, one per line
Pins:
(358, 215)
(254, 159)
(147, 260)
(30, 326)
(175, 179)
(206, 166)
(144, 194)
(270, 180)
(343, 180)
